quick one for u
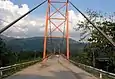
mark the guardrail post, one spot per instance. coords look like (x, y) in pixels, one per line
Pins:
(1, 74)
(100, 75)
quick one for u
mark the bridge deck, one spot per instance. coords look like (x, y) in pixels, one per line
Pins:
(53, 69)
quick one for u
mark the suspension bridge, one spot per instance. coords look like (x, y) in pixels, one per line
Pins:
(56, 66)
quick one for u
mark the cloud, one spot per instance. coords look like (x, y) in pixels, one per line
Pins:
(9, 12)
(74, 18)
(30, 25)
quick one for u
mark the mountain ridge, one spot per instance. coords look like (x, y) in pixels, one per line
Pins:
(36, 44)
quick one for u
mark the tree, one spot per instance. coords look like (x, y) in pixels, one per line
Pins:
(96, 40)
(6, 56)
(2, 53)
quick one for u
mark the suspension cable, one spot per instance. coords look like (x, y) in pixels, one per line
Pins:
(50, 34)
(12, 26)
(111, 41)
(61, 44)
(63, 39)
(51, 41)
(12, 23)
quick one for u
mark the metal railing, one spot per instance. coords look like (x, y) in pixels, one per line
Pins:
(9, 70)
(96, 72)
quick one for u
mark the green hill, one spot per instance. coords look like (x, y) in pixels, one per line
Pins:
(36, 44)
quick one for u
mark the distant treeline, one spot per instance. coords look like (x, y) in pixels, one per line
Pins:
(7, 57)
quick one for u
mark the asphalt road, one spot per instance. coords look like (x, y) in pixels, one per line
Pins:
(54, 68)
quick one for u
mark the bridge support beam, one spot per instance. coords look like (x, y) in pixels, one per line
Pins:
(45, 32)
(67, 30)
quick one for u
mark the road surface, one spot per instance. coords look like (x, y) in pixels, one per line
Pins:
(52, 69)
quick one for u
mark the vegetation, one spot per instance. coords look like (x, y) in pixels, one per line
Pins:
(25, 49)
(36, 44)
(7, 57)
(98, 52)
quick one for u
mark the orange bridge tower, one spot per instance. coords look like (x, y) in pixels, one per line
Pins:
(57, 17)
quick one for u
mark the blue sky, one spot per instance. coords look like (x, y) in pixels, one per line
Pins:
(98, 5)
(33, 25)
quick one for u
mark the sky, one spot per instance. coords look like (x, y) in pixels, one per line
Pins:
(33, 24)
(99, 5)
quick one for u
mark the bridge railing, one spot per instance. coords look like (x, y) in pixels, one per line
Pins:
(97, 72)
(9, 70)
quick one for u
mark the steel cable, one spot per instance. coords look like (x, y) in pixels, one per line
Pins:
(93, 24)
(12, 23)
